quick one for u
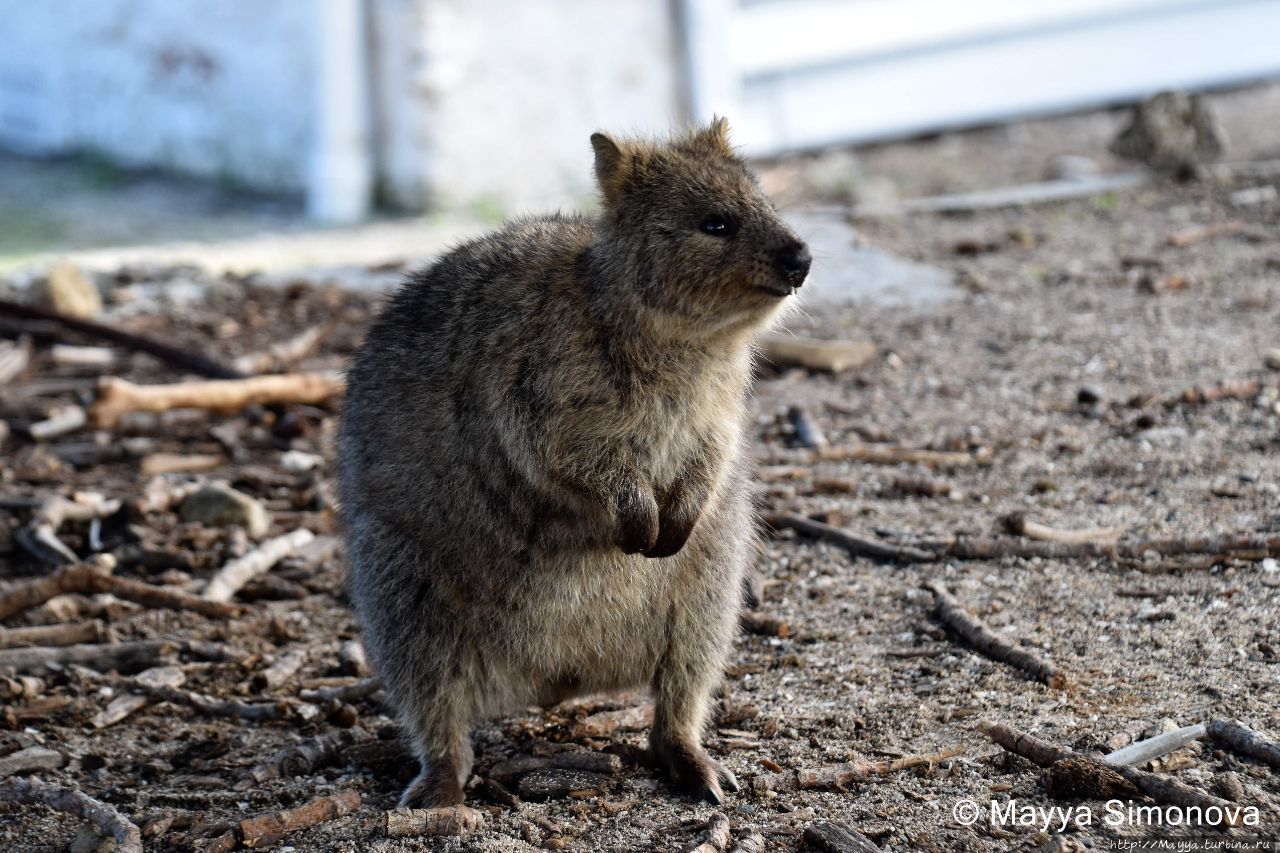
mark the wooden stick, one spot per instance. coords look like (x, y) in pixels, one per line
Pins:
(1225, 545)
(66, 634)
(236, 573)
(165, 598)
(40, 536)
(285, 354)
(838, 776)
(268, 828)
(837, 837)
(20, 687)
(124, 706)
(1137, 754)
(66, 420)
(881, 454)
(1200, 233)
(29, 759)
(353, 692)
(1018, 524)
(718, 836)
(280, 670)
(1232, 389)
(117, 396)
(104, 817)
(318, 752)
(1158, 788)
(218, 707)
(986, 641)
(444, 820)
(856, 545)
(62, 324)
(34, 592)
(41, 660)
(14, 359)
(830, 356)
(1244, 740)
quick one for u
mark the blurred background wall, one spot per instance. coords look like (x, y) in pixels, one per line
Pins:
(486, 104)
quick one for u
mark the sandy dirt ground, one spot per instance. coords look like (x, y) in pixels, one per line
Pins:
(1058, 366)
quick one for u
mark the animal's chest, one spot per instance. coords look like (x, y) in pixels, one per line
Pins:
(682, 425)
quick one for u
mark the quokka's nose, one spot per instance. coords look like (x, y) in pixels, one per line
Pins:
(794, 260)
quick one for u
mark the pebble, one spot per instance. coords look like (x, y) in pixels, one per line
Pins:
(1272, 359)
(67, 290)
(1088, 395)
(1270, 566)
(219, 505)
(299, 461)
(1253, 195)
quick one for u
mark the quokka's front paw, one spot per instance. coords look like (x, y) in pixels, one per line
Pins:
(673, 533)
(637, 518)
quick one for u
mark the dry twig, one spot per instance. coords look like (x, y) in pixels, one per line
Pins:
(831, 356)
(1020, 525)
(34, 592)
(983, 639)
(118, 396)
(718, 836)
(64, 634)
(285, 354)
(856, 545)
(40, 536)
(237, 573)
(269, 828)
(444, 820)
(838, 776)
(104, 817)
(1244, 740)
(29, 759)
(1137, 754)
(40, 660)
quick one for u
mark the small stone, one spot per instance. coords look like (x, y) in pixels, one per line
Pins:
(298, 462)
(219, 505)
(67, 290)
(1089, 395)
(1253, 196)
(1270, 566)
(1272, 359)
(1229, 786)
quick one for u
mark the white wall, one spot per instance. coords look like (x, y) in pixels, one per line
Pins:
(221, 89)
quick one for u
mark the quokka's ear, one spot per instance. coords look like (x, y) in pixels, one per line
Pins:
(715, 136)
(613, 166)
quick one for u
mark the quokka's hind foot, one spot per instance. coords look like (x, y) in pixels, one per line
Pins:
(433, 788)
(692, 771)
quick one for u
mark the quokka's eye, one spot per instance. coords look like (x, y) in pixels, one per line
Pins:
(718, 226)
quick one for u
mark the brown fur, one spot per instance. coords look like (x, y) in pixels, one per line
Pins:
(542, 472)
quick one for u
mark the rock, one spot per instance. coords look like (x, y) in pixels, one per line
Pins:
(1071, 167)
(1272, 359)
(298, 462)
(67, 290)
(1253, 196)
(219, 505)
(1089, 395)
(1172, 132)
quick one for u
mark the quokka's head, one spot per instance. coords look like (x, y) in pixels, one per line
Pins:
(709, 245)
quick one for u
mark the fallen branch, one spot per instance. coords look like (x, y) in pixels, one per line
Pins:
(1244, 740)
(1200, 233)
(317, 753)
(1137, 754)
(14, 359)
(41, 660)
(165, 598)
(104, 817)
(1018, 524)
(29, 759)
(35, 592)
(280, 670)
(218, 707)
(1225, 545)
(1158, 788)
(65, 420)
(444, 820)
(718, 836)
(830, 356)
(60, 325)
(268, 828)
(40, 536)
(856, 545)
(285, 354)
(237, 573)
(986, 641)
(65, 634)
(837, 837)
(839, 776)
(118, 396)
(882, 454)
(355, 691)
